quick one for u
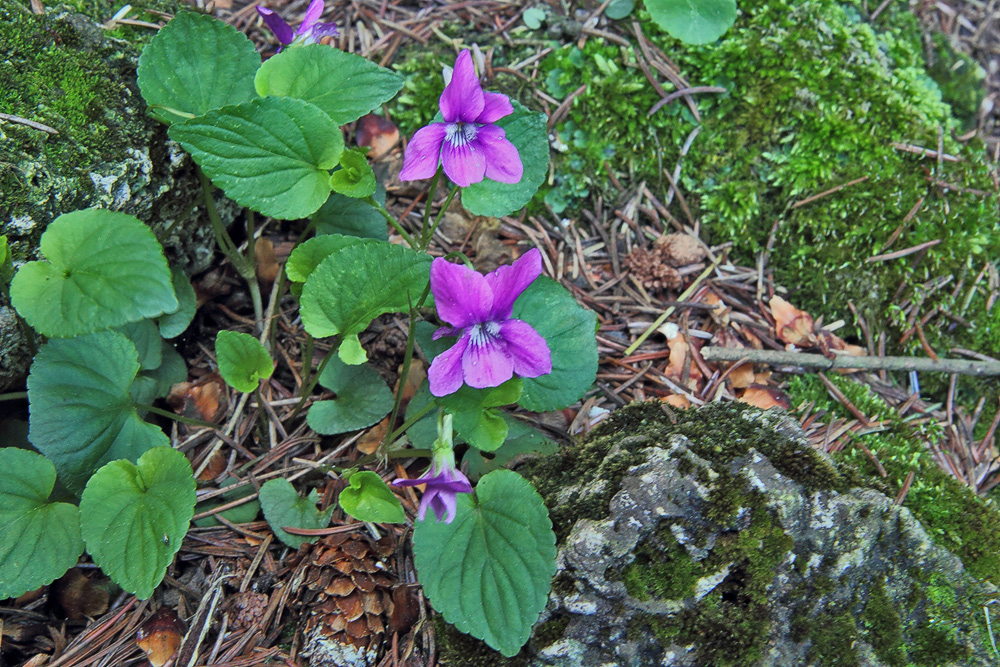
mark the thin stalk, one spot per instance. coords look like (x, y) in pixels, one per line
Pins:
(14, 396)
(426, 240)
(407, 360)
(392, 221)
(243, 266)
(307, 389)
(258, 305)
(412, 420)
(307, 355)
(430, 199)
(176, 417)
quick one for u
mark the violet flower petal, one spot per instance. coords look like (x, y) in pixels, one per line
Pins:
(503, 163)
(321, 30)
(445, 373)
(486, 362)
(449, 503)
(497, 106)
(527, 349)
(463, 297)
(465, 163)
(423, 153)
(445, 331)
(462, 99)
(508, 282)
(313, 12)
(277, 25)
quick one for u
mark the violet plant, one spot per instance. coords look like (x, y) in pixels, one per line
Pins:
(269, 136)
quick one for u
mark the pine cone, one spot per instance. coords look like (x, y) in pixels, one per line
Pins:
(649, 269)
(680, 249)
(247, 609)
(352, 599)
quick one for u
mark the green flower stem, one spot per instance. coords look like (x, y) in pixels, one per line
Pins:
(307, 354)
(307, 387)
(430, 198)
(258, 306)
(392, 221)
(176, 417)
(243, 266)
(412, 420)
(426, 240)
(14, 396)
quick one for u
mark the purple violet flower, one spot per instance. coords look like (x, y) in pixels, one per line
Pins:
(444, 481)
(310, 32)
(493, 346)
(467, 144)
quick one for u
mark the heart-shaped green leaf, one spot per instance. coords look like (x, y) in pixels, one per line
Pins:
(528, 131)
(102, 269)
(362, 399)
(307, 256)
(39, 540)
(81, 413)
(369, 498)
(693, 21)
(134, 517)
(355, 177)
(352, 217)
(521, 440)
(356, 284)
(489, 571)
(343, 85)
(243, 360)
(148, 344)
(475, 416)
(272, 155)
(175, 323)
(195, 64)
(569, 330)
(283, 507)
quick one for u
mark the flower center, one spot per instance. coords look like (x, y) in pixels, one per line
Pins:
(481, 334)
(459, 134)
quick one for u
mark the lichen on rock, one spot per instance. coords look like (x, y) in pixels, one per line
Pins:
(62, 71)
(723, 538)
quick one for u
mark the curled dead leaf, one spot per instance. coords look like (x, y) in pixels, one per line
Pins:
(677, 401)
(742, 376)
(160, 636)
(368, 442)
(378, 134)
(792, 325)
(205, 398)
(267, 260)
(77, 596)
(764, 398)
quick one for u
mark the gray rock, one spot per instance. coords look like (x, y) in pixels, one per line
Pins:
(61, 70)
(725, 539)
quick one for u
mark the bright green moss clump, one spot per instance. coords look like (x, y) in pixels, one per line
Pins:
(817, 95)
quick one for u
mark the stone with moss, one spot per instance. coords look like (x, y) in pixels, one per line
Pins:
(720, 537)
(62, 71)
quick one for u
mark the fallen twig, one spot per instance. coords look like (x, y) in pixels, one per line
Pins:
(920, 364)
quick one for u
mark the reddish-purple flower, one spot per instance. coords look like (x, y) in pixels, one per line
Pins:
(493, 346)
(467, 144)
(443, 481)
(310, 32)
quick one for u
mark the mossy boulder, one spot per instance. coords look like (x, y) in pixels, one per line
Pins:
(61, 70)
(720, 537)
